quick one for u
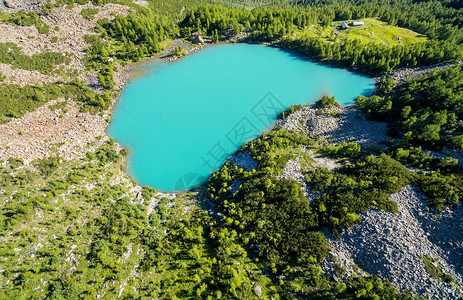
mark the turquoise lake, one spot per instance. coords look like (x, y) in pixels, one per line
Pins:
(182, 120)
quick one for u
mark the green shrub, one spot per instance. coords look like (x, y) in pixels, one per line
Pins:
(441, 190)
(47, 166)
(363, 184)
(292, 108)
(15, 101)
(386, 84)
(326, 102)
(148, 192)
(435, 271)
(15, 162)
(344, 149)
(47, 8)
(89, 13)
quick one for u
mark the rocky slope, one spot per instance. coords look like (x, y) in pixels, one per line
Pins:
(392, 245)
(385, 244)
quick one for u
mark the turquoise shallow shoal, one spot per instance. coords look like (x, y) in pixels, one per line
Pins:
(182, 120)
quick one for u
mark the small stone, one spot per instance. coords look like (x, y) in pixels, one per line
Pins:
(9, 4)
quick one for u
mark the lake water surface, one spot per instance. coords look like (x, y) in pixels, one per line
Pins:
(182, 120)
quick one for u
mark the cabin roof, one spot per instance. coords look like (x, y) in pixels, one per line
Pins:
(357, 23)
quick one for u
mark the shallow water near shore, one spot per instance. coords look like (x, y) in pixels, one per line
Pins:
(181, 121)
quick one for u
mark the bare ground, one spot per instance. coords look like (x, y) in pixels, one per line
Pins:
(46, 132)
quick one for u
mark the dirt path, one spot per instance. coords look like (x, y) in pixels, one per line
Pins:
(403, 75)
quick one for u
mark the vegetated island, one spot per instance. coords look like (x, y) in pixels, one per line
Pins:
(333, 203)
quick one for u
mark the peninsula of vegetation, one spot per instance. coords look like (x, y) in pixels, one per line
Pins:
(334, 202)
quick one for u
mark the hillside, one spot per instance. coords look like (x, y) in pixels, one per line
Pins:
(333, 202)
(373, 30)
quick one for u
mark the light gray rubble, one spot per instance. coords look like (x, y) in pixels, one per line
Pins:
(348, 126)
(390, 245)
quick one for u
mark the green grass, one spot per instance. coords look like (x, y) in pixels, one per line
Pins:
(374, 31)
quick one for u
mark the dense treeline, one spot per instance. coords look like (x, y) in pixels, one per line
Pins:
(265, 23)
(271, 23)
(431, 18)
(427, 111)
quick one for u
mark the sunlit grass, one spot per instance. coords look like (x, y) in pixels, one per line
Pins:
(374, 31)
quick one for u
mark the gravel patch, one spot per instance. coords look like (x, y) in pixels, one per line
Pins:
(293, 170)
(153, 202)
(46, 132)
(405, 74)
(11, 6)
(389, 245)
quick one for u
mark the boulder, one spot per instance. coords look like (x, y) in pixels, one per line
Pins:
(9, 4)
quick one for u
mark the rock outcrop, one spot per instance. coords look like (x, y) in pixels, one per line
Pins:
(9, 4)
